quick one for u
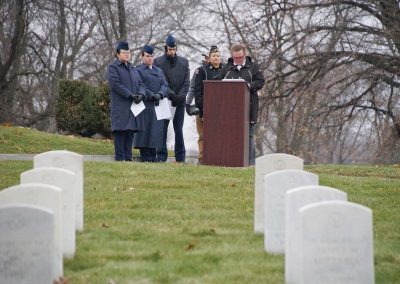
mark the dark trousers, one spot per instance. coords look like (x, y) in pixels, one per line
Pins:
(252, 145)
(148, 154)
(180, 151)
(123, 140)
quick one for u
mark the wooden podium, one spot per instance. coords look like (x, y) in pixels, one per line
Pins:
(226, 123)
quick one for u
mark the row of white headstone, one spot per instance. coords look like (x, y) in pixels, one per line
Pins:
(325, 238)
(39, 219)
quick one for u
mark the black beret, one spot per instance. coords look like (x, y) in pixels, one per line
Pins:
(170, 41)
(122, 45)
(148, 49)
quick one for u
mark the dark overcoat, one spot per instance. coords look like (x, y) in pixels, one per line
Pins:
(252, 74)
(124, 80)
(205, 72)
(154, 82)
(176, 70)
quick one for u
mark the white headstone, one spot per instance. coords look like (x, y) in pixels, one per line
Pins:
(65, 180)
(337, 243)
(264, 165)
(295, 199)
(26, 244)
(69, 161)
(41, 195)
(276, 184)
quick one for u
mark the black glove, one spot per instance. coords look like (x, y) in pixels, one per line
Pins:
(171, 93)
(192, 110)
(137, 98)
(187, 107)
(156, 98)
(177, 100)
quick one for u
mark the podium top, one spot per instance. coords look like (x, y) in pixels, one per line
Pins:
(233, 80)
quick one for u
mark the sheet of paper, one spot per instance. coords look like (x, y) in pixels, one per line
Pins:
(137, 108)
(163, 110)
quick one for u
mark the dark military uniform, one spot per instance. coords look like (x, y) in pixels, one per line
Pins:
(151, 136)
(124, 80)
(177, 73)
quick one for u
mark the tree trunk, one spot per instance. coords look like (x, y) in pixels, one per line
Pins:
(7, 72)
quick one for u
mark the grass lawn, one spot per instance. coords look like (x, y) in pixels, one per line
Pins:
(173, 223)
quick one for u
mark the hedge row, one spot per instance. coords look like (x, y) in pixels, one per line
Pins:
(83, 109)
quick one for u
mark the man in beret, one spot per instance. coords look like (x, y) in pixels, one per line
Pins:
(156, 88)
(176, 71)
(126, 87)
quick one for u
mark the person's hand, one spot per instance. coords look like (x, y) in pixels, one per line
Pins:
(137, 98)
(156, 98)
(171, 93)
(187, 107)
(195, 111)
(177, 100)
(192, 110)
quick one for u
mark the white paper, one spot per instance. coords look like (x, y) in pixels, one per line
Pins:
(137, 108)
(163, 110)
(233, 80)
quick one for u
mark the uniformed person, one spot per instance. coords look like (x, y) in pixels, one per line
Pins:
(126, 87)
(177, 74)
(156, 88)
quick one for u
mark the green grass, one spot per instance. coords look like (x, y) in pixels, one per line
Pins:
(173, 223)
(21, 140)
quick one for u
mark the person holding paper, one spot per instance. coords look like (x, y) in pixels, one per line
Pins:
(177, 74)
(156, 88)
(126, 87)
(240, 66)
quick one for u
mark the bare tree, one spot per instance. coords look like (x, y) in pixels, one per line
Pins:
(12, 35)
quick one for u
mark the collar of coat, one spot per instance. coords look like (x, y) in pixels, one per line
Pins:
(246, 63)
(210, 66)
(119, 62)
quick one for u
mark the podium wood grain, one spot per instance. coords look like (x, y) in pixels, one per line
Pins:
(226, 124)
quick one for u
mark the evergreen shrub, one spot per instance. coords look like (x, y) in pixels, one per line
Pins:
(83, 109)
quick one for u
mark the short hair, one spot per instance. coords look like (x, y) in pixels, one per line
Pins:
(238, 47)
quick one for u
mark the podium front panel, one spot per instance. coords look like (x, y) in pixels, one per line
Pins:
(226, 107)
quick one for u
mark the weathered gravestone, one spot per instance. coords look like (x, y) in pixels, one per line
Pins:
(336, 243)
(295, 199)
(69, 161)
(26, 245)
(42, 195)
(276, 184)
(65, 180)
(264, 165)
